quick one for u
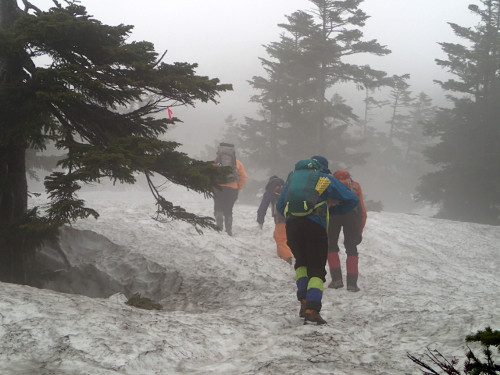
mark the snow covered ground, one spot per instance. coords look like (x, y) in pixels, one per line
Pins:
(229, 302)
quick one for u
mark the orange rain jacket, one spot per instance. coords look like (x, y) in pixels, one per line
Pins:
(242, 177)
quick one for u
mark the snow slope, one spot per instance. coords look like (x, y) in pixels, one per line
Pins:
(230, 305)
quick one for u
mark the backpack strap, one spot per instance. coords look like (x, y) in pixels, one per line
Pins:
(315, 210)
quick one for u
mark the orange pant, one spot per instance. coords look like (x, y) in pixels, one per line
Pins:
(279, 235)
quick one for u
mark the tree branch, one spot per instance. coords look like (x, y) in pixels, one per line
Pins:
(28, 6)
(160, 59)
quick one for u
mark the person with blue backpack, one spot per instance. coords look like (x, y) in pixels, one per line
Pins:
(304, 203)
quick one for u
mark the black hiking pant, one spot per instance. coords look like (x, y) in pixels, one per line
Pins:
(309, 244)
(224, 200)
(350, 224)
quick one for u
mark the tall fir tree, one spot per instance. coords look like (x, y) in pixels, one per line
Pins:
(301, 113)
(466, 186)
(412, 136)
(370, 82)
(84, 100)
(400, 101)
(398, 157)
(284, 97)
(339, 36)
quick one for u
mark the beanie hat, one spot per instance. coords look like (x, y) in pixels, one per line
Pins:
(321, 159)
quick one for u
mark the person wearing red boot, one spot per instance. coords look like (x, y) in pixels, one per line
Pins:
(352, 224)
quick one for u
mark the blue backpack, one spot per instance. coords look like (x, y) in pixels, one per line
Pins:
(305, 185)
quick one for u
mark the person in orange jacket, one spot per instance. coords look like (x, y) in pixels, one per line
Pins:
(352, 225)
(226, 194)
(272, 192)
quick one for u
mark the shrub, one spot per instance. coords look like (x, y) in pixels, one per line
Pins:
(472, 364)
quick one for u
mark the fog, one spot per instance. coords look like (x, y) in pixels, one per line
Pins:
(226, 38)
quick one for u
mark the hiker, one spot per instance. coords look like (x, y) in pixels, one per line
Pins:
(352, 224)
(306, 231)
(226, 194)
(272, 192)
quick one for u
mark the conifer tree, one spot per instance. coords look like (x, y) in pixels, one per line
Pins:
(284, 98)
(302, 114)
(398, 155)
(467, 184)
(85, 100)
(401, 100)
(414, 141)
(339, 36)
(370, 82)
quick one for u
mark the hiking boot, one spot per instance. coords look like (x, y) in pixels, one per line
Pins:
(312, 316)
(302, 311)
(352, 283)
(336, 274)
(228, 222)
(219, 220)
(336, 284)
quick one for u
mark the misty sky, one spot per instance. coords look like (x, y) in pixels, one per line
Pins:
(226, 37)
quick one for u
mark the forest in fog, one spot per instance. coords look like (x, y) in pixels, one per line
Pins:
(407, 151)
(316, 94)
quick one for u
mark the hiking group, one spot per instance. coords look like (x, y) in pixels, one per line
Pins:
(310, 209)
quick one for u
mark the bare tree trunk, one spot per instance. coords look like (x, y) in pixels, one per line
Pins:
(13, 184)
(13, 193)
(8, 13)
(273, 139)
(322, 83)
(13, 206)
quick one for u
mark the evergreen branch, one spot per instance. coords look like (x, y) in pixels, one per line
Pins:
(166, 211)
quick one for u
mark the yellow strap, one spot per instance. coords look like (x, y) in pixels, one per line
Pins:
(308, 212)
(320, 204)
